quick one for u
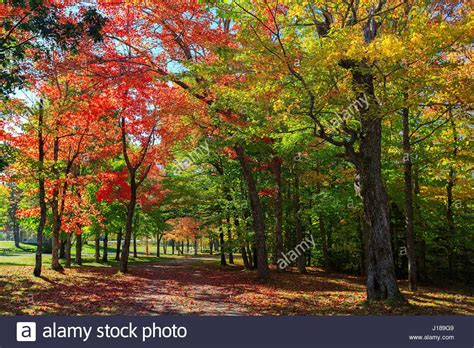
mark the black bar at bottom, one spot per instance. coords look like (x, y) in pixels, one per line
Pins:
(291, 332)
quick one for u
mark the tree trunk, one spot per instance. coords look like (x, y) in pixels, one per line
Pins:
(449, 206)
(229, 241)
(55, 265)
(97, 248)
(105, 254)
(278, 212)
(250, 257)
(165, 246)
(78, 249)
(119, 244)
(129, 226)
(363, 236)
(221, 237)
(255, 256)
(324, 242)
(158, 241)
(408, 190)
(172, 247)
(62, 248)
(12, 211)
(41, 195)
(300, 262)
(67, 250)
(187, 246)
(381, 281)
(147, 250)
(243, 252)
(257, 214)
(195, 246)
(211, 241)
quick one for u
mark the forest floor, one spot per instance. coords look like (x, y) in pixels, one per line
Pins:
(200, 286)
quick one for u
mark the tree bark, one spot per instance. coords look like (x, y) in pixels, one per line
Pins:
(408, 190)
(129, 226)
(222, 249)
(97, 248)
(105, 253)
(119, 244)
(13, 202)
(41, 195)
(78, 249)
(449, 207)
(277, 163)
(243, 252)
(158, 241)
(381, 281)
(55, 265)
(229, 240)
(324, 242)
(250, 256)
(300, 262)
(165, 246)
(62, 249)
(67, 250)
(195, 246)
(257, 214)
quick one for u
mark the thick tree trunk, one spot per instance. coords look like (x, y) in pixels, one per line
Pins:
(278, 212)
(119, 244)
(257, 214)
(300, 262)
(41, 195)
(129, 226)
(408, 190)
(381, 281)
(67, 250)
(105, 254)
(172, 247)
(79, 249)
(222, 250)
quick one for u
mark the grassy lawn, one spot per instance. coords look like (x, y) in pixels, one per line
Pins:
(24, 256)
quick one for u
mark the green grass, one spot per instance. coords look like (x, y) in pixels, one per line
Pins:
(24, 248)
